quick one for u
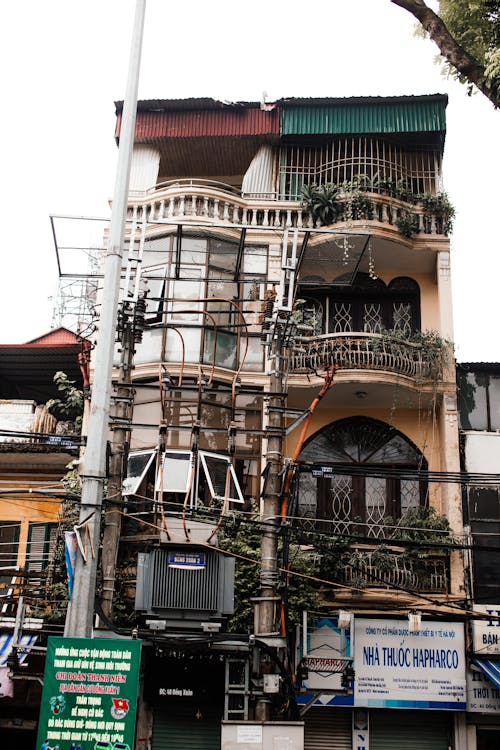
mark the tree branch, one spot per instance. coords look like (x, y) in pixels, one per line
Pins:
(450, 49)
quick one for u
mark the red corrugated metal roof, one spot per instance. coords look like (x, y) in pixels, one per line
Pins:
(239, 121)
(58, 337)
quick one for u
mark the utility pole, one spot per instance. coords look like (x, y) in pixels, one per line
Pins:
(268, 599)
(130, 328)
(81, 609)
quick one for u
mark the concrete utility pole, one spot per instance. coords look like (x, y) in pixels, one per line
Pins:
(268, 599)
(121, 438)
(80, 612)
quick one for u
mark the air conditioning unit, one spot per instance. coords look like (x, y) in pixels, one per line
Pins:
(185, 585)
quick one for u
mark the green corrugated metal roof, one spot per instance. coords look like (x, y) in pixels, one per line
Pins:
(377, 115)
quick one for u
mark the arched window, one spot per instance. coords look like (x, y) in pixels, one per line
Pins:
(367, 306)
(359, 502)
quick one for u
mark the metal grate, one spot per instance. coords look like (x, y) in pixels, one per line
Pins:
(346, 159)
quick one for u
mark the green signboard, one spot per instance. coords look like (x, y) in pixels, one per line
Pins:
(89, 698)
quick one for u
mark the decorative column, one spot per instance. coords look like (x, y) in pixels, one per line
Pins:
(448, 423)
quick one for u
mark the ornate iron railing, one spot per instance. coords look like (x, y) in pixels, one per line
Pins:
(364, 351)
(422, 574)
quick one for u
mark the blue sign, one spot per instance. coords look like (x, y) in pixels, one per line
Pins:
(187, 560)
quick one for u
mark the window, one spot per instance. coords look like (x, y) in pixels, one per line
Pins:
(359, 503)
(9, 543)
(478, 399)
(137, 467)
(484, 519)
(368, 306)
(215, 478)
(41, 546)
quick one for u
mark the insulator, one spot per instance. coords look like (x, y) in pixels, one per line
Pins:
(139, 319)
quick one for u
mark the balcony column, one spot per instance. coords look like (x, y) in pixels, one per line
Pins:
(144, 168)
(448, 423)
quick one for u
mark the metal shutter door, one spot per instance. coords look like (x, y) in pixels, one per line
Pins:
(413, 730)
(328, 729)
(172, 731)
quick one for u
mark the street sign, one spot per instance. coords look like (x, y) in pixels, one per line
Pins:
(89, 698)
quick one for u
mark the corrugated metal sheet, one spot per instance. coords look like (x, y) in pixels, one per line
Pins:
(328, 729)
(377, 116)
(192, 124)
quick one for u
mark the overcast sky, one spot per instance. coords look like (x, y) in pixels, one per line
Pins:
(65, 62)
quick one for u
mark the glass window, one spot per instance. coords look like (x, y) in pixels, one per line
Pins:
(137, 466)
(186, 295)
(346, 501)
(367, 305)
(472, 401)
(174, 473)
(193, 250)
(221, 477)
(494, 396)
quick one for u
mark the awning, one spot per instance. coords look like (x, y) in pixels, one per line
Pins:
(23, 649)
(490, 668)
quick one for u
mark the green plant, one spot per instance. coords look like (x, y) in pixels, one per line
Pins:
(242, 538)
(407, 223)
(322, 202)
(433, 350)
(70, 406)
(356, 203)
(440, 207)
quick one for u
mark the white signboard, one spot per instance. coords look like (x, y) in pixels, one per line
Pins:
(486, 633)
(249, 734)
(399, 669)
(482, 696)
(326, 643)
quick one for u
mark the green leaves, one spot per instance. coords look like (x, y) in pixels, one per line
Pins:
(322, 202)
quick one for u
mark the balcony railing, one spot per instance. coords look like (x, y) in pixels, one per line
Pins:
(208, 202)
(364, 351)
(422, 574)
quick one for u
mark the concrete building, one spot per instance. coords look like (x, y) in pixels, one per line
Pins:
(35, 450)
(283, 363)
(479, 409)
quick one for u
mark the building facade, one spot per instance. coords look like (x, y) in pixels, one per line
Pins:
(284, 372)
(479, 407)
(35, 450)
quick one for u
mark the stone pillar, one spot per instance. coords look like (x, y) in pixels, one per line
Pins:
(451, 494)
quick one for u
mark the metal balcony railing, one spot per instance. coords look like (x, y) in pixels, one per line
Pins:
(423, 574)
(364, 351)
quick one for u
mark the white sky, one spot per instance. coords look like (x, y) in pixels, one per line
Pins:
(65, 62)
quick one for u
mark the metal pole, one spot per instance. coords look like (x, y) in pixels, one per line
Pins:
(80, 612)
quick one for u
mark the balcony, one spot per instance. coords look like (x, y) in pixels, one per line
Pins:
(366, 351)
(206, 202)
(423, 573)
(24, 426)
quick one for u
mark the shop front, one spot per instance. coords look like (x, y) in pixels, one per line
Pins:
(483, 681)
(186, 694)
(409, 688)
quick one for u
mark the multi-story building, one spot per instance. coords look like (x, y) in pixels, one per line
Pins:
(35, 450)
(479, 410)
(293, 376)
